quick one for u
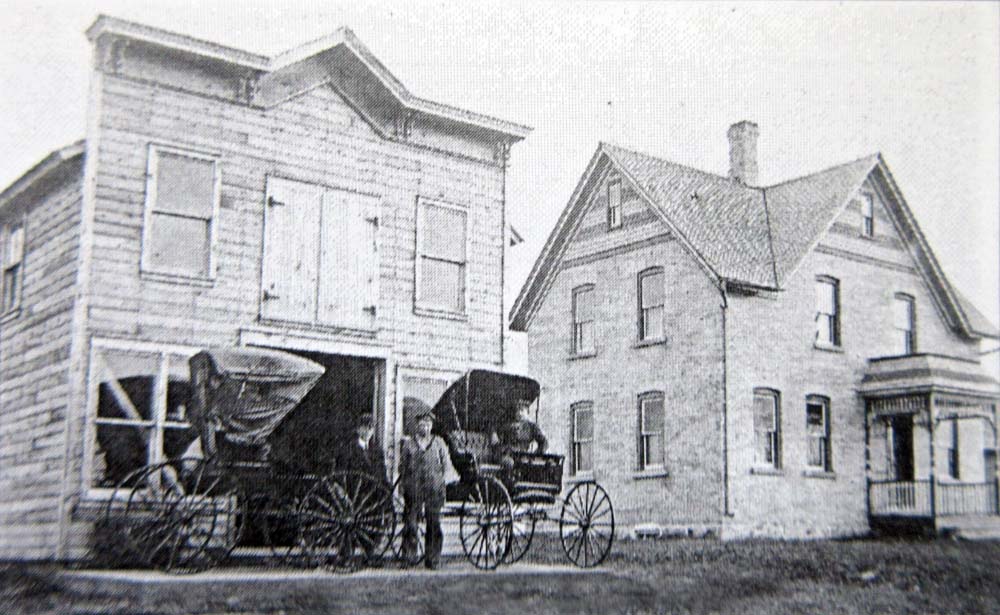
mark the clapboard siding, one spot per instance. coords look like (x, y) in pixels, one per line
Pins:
(34, 355)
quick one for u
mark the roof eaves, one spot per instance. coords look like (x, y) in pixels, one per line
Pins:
(42, 169)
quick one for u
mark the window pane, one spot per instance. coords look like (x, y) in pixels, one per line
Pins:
(185, 185)
(815, 452)
(584, 457)
(815, 419)
(824, 328)
(652, 415)
(765, 430)
(867, 205)
(583, 305)
(902, 314)
(826, 297)
(176, 442)
(10, 287)
(652, 323)
(654, 450)
(179, 245)
(442, 233)
(442, 285)
(127, 384)
(584, 424)
(15, 247)
(763, 412)
(652, 290)
(120, 450)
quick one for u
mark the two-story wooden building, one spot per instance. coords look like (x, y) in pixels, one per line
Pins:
(786, 360)
(306, 202)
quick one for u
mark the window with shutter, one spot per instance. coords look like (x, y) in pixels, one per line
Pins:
(767, 431)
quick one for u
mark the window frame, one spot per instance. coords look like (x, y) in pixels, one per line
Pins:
(775, 435)
(420, 253)
(641, 311)
(6, 236)
(615, 212)
(867, 214)
(644, 464)
(575, 470)
(826, 447)
(146, 266)
(575, 349)
(952, 450)
(910, 340)
(834, 328)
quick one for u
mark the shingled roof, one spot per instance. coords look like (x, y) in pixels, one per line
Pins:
(743, 236)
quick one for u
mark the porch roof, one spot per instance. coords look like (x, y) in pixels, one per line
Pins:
(921, 373)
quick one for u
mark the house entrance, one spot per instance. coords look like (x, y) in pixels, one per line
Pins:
(901, 446)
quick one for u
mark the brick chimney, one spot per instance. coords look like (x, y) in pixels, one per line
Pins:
(743, 152)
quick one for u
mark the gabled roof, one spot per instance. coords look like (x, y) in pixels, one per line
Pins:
(46, 168)
(274, 67)
(741, 235)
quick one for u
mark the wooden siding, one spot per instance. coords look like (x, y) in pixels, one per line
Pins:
(34, 359)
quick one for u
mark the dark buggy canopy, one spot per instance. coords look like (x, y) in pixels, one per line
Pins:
(483, 401)
(247, 392)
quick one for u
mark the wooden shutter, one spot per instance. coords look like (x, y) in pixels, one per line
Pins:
(290, 270)
(349, 269)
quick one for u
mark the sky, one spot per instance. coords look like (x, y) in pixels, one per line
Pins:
(826, 83)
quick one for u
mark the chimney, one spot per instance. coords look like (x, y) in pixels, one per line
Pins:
(743, 152)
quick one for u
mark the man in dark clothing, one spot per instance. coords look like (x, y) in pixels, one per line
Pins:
(517, 436)
(361, 453)
(423, 464)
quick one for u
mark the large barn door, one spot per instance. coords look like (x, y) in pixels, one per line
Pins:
(348, 286)
(290, 271)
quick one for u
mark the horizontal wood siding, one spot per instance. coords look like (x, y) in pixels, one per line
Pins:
(34, 384)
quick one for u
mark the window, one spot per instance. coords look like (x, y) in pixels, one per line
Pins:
(868, 214)
(13, 269)
(818, 433)
(182, 200)
(949, 438)
(140, 399)
(441, 258)
(583, 320)
(827, 312)
(651, 299)
(583, 437)
(651, 453)
(767, 429)
(904, 325)
(614, 203)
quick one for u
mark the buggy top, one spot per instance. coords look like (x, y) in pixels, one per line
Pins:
(482, 401)
(247, 392)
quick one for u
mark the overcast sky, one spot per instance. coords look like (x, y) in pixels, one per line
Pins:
(825, 83)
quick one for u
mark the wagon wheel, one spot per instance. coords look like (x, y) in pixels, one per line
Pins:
(346, 521)
(522, 532)
(485, 523)
(587, 525)
(178, 516)
(274, 512)
(412, 554)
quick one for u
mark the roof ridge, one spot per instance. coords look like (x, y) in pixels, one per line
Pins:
(671, 162)
(876, 155)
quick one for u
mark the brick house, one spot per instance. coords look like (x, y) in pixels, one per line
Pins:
(784, 361)
(306, 202)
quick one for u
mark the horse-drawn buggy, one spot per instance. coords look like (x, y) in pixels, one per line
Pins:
(229, 496)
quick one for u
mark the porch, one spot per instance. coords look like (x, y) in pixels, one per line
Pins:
(932, 444)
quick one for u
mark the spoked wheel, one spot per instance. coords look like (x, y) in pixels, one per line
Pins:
(485, 523)
(587, 525)
(408, 553)
(522, 532)
(347, 521)
(274, 508)
(177, 516)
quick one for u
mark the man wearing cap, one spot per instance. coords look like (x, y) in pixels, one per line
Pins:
(423, 463)
(361, 453)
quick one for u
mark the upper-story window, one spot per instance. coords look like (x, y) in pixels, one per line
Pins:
(583, 320)
(827, 311)
(441, 257)
(651, 300)
(614, 203)
(582, 416)
(867, 214)
(904, 324)
(767, 428)
(818, 433)
(651, 418)
(183, 190)
(13, 266)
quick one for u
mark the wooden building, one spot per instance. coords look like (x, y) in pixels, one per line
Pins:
(307, 202)
(786, 361)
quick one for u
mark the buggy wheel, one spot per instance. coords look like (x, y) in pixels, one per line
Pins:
(587, 525)
(347, 521)
(410, 552)
(522, 532)
(274, 510)
(485, 523)
(177, 516)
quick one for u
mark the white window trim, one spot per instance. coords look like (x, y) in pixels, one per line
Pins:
(611, 222)
(582, 405)
(152, 160)
(867, 197)
(90, 422)
(431, 310)
(645, 273)
(642, 466)
(776, 465)
(826, 463)
(5, 234)
(574, 349)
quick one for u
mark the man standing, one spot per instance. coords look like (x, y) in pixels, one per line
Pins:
(361, 453)
(423, 463)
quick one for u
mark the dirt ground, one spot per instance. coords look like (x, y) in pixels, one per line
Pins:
(663, 576)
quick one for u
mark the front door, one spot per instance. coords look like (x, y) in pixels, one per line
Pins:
(901, 434)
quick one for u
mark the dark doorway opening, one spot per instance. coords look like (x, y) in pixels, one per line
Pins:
(902, 446)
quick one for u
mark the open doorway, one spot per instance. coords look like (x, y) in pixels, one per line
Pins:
(901, 446)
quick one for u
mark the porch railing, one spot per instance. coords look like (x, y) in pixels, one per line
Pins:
(903, 498)
(966, 498)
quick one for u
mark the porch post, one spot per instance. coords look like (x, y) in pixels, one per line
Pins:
(930, 428)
